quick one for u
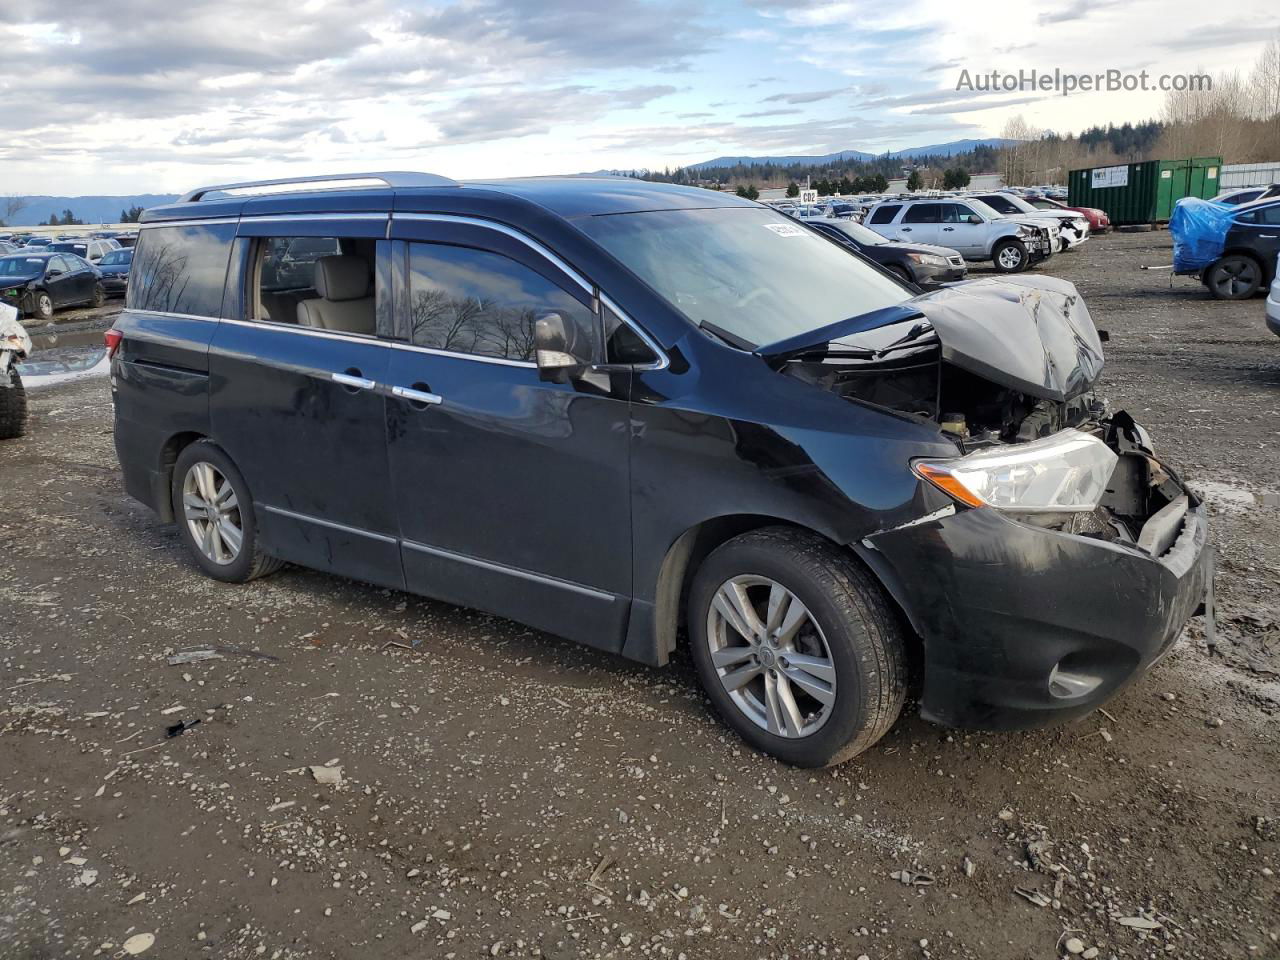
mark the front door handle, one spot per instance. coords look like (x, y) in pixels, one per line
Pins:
(417, 396)
(949, 229)
(906, 229)
(354, 380)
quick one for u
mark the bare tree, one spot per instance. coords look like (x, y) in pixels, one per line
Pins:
(1017, 159)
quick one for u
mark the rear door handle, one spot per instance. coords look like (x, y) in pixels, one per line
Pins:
(357, 383)
(949, 229)
(417, 396)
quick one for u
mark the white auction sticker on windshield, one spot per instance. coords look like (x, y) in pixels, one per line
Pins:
(785, 229)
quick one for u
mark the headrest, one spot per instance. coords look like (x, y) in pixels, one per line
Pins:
(342, 278)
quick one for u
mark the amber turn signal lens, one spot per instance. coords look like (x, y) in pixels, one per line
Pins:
(948, 484)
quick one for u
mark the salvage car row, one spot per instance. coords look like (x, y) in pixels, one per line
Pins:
(45, 278)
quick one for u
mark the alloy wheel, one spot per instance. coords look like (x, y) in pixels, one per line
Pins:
(1236, 276)
(771, 656)
(212, 512)
(1010, 257)
(44, 305)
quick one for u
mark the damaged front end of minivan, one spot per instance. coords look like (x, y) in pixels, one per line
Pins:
(1060, 557)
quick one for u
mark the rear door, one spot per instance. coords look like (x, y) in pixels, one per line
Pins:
(1259, 230)
(296, 394)
(513, 493)
(920, 223)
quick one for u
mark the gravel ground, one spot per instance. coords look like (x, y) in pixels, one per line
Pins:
(499, 792)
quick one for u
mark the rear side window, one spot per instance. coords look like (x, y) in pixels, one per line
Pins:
(476, 302)
(181, 269)
(923, 213)
(886, 213)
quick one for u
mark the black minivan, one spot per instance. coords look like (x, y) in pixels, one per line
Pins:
(635, 415)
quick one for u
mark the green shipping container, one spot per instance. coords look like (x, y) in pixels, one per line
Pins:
(1143, 192)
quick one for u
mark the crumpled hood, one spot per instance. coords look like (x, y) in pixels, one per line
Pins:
(13, 335)
(1031, 333)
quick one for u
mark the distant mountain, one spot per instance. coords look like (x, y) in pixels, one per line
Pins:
(843, 155)
(38, 210)
(936, 149)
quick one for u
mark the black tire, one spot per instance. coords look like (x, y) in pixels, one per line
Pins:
(863, 634)
(250, 562)
(41, 306)
(99, 295)
(1010, 256)
(1234, 277)
(13, 408)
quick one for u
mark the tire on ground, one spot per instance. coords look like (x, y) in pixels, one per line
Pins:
(13, 408)
(864, 634)
(1015, 245)
(1234, 277)
(251, 562)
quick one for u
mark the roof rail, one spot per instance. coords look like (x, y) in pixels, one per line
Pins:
(335, 181)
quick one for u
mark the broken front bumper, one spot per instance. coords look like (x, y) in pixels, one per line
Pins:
(1024, 626)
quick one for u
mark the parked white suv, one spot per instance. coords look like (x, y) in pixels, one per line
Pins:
(969, 226)
(1273, 302)
(1073, 226)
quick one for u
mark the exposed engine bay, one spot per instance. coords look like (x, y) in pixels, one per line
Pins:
(1000, 363)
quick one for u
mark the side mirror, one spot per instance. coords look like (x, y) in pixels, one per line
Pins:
(974, 219)
(53, 272)
(556, 361)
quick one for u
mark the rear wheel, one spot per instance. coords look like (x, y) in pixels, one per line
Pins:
(215, 515)
(13, 407)
(797, 646)
(1010, 256)
(1234, 278)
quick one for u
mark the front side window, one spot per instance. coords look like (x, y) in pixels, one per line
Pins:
(181, 269)
(476, 302)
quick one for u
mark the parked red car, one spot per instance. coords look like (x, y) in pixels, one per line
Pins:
(1099, 222)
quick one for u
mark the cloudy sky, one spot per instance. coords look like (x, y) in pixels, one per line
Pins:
(160, 95)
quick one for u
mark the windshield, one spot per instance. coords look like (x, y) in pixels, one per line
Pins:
(751, 272)
(77, 248)
(116, 257)
(856, 231)
(1020, 203)
(984, 208)
(21, 266)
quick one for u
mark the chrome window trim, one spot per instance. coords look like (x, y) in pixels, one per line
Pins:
(193, 222)
(170, 314)
(587, 286)
(309, 331)
(310, 218)
(501, 361)
(663, 360)
(280, 511)
(511, 571)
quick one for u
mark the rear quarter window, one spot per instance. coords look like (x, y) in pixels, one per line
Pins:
(886, 213)
(181, 269)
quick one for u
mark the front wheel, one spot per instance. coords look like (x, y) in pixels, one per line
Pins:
(797, 646)
(13, 407)
(1234, 278)
(99, 295)
(42, 305)
(215, 515)
(1010, 256)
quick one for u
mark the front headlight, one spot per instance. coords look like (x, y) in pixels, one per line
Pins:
(1067, 472)
(927, 258)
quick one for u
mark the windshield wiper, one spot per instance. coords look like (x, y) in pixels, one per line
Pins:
(732, 339)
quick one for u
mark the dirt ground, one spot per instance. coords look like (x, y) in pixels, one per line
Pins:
(505, 793)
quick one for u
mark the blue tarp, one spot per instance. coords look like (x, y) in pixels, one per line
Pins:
(1199, 230)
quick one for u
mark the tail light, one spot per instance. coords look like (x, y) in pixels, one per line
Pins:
(112, 338)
